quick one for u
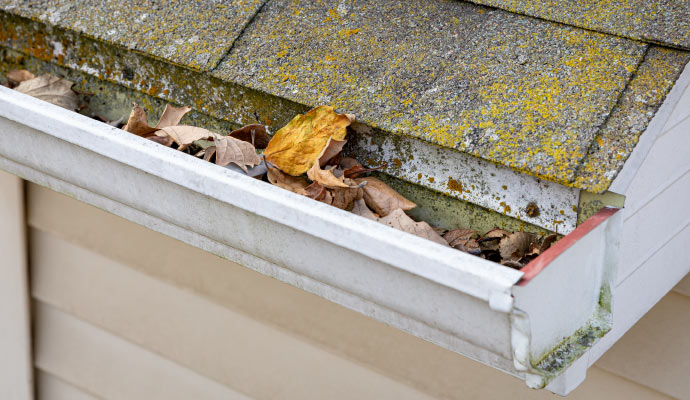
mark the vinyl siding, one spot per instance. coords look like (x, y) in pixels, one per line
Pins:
(109, 293)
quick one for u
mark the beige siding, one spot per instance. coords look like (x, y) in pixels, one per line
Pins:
(109, 290)
(50, 387)
(15, 355)
(655, 351)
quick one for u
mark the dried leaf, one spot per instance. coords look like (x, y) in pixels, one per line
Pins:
(52, 89)
(345, 198)
(349, 162)
(184, 135)
(512, 264)
(210, 152)
(332, 149)
(491, 239)
(463, 240)
(399, 220)
(172, 116)
(514, 246)
(295, 184)
(231, 150)
(255, 134)
(296, 147)
(165, 141)
(138, 125)
(547, 242)
(17, 76)
(326, 178)
(360, 208)
(382, 198)
(319, 193)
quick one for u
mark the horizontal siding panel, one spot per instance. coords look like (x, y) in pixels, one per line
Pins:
(49, 387)
(221, 344)
(655, 351)
(111, 368)
(681, 111)
(668, 160)
(429, 368)
(652, 226)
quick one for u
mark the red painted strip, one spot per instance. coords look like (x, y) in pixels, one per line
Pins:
(538, 264)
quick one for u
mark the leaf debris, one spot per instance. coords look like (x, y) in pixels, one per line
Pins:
(311, 143)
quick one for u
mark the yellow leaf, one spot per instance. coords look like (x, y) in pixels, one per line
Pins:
(296, 147)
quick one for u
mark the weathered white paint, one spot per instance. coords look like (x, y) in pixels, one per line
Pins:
(489, 185)
(455, 300)
(15, 333)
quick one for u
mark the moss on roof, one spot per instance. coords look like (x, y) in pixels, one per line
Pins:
(552, 100)
(193, 33)
(518, 91)
(658, 21)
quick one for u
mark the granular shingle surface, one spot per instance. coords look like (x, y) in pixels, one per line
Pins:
(193, 33)
(538, 93)
(658, 21)
(515, 90)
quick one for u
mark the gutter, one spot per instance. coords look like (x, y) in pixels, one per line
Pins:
(511, 320)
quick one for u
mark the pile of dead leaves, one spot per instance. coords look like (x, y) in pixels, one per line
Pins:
(304, 157)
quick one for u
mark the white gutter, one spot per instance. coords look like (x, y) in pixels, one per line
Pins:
(458, 301)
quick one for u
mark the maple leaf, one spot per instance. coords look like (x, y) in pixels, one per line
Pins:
(382, 198)
(296, 146)
(138, 125)
(184, 135)
(52, 89)
(399, 220)
(231, 150)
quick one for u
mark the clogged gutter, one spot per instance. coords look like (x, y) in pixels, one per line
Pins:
(305, 157)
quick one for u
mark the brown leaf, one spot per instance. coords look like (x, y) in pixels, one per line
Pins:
(138, 125)
(360, 208)
(463, 240)
(547, 242)
(296, 147)
(345, 198)
(319, 193)
(17, 76)
(184, 135)
(210, 152)
(172, 116)
(255, 134)
(349, 162)
(165, 141)
(231, 150)
(512, 264)
(295, 184)
(399, 220)
(52, 89)
(326, 178)
(514, 246)
(332, 149)
(491, 239)
(382, 198)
